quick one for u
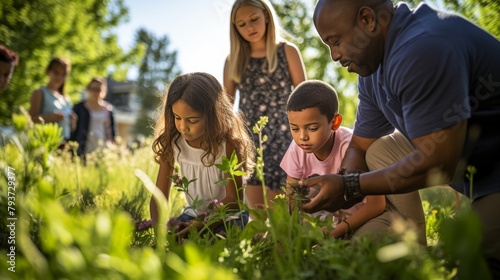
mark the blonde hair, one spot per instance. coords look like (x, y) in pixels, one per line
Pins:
(240, 49)
(203, 93)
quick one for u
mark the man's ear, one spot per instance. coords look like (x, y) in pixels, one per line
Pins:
(368, 17)
(336, 121)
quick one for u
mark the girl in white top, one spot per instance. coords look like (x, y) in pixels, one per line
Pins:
(197, 127)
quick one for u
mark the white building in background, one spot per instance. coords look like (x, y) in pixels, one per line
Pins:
(123, 97)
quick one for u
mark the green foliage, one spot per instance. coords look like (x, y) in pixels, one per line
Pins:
(483, 12)
(440, 203)
(72, 223)
(259, 162)
(471, 171)
(461, 243)
(76, 221)
(158, 67)
(79, 30)
(232, 168)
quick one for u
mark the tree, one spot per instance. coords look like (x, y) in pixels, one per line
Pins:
(482, 12)
(158, 67)
(78, 30)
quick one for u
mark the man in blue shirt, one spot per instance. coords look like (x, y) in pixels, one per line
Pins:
(428, 80)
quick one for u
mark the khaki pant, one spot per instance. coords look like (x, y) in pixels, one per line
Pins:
(487, 208)
(383, 152)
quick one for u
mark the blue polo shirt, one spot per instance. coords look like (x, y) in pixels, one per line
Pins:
(438, 69)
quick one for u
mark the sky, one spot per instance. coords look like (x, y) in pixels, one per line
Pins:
(197, 29)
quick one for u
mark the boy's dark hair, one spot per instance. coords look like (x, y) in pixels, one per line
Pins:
(8, 56)
(314, 94)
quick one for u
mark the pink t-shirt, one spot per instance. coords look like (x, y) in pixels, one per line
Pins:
(298, 164)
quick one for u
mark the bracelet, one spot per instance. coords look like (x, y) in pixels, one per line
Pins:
(343, 171)
(352, 190)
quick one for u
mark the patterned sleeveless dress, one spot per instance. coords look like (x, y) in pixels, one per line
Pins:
(266, 94)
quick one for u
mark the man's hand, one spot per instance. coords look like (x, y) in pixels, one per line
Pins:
(330, 196)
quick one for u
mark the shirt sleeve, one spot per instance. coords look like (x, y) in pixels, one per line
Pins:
(345, 139)
(292, 163)
(370, 120)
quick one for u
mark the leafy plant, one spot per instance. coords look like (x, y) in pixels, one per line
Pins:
(259, 162)
(77, 221)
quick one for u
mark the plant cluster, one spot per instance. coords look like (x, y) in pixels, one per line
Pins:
(77, 221)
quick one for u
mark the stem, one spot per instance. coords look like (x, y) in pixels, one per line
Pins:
(261, 155)
(240, 203)
(471, 172)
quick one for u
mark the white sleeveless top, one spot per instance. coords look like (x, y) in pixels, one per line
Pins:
(191, 167)
(96, 136)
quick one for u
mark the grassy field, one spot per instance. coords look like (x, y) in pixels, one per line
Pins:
(78, 221)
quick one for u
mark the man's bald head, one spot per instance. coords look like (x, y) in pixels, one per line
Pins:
(354, 31)
(349, 4)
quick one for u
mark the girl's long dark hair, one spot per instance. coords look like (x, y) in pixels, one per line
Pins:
(203, 93)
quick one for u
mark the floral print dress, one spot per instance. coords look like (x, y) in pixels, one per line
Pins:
(266, 94)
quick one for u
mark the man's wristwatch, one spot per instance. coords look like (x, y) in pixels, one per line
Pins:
(352, 191)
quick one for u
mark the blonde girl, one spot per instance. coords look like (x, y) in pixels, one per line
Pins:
(198, 127)
(264, 68)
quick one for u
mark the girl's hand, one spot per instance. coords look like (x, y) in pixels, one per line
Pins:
(213, 205)
(188, 225)
(58, 116)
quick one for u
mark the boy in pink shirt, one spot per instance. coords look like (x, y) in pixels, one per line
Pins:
(318, 146)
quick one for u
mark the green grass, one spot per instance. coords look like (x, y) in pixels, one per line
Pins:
(77, 221)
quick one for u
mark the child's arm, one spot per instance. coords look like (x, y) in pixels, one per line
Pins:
(163, 183)
(374, 206)
(229, 83)
(35, 110)
(295, 64)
